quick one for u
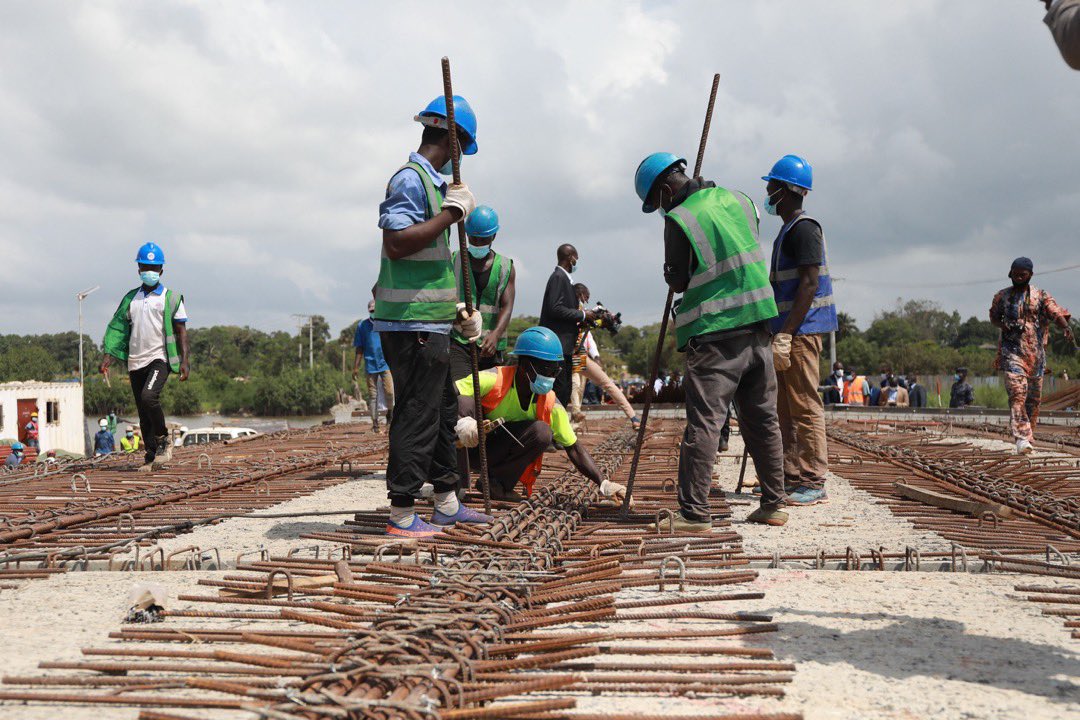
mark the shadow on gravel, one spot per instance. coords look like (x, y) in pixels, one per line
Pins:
(293, 530)
(911, 646)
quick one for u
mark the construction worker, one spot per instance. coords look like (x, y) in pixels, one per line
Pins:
(856, 389)
(522, 396)
(493, 291)
(1024, 313)
(712, 256)
(104, 443)
(961, 394)
(416, 307)
(799, 274)
(149, 331)
(31, 430)
(15, 458)
(131, 442)
(586, 367)
(369, 346)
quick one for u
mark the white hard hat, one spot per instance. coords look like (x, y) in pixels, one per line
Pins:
(103, 423)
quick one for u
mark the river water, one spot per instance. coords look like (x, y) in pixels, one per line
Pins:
(258, 424)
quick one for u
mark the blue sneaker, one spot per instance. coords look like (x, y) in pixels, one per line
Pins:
(808, 496)
(463, 515)
(416, 529)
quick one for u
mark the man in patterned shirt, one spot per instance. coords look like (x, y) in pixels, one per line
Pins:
(1023, 313)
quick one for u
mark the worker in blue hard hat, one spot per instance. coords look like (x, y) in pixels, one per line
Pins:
(711, 255)
(493, 290)
(416, 307)
(149, 332)
(799, 273)
(522, 396)
(16, 456)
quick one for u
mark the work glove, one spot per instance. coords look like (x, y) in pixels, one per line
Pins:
(467, 432)
(781, 351)
(469, 327)
(459, 196)
(615, 491)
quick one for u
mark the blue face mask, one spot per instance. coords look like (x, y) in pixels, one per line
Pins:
(479, 251)
(448, 168)
(541, 384)
(770, 206)
(573, 268)
(150, 278)
(956, 378)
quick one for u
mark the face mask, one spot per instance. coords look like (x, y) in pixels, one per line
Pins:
(573, 268)
(479, 251)
(956, 378)
(448, 168)
(769, 206)
(541, 384)
(130, 435)
(839, 373)
(150, 278)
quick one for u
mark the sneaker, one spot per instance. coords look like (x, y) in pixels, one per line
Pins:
(416, 529)
(808, 496)
(1024, 447)
(767, 516)
(463, 515)
(681, 525)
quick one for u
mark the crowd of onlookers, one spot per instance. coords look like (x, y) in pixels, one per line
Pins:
(845, 386)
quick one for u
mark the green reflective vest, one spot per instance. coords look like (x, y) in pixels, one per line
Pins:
(490, 301)
(729, 286)
(118, 332)
(419, 287)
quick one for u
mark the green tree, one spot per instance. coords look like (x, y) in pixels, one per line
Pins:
(974, 332)
(858, 354)
(27, 362)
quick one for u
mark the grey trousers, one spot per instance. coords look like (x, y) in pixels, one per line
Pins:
(738, 367)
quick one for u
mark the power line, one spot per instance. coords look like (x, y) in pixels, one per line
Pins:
(949, 284)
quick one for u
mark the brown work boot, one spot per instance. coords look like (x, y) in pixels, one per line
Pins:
(681, 525)
(767, 516)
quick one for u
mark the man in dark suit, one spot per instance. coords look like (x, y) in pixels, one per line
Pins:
(560, 314)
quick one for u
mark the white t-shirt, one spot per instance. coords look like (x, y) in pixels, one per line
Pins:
(147, 315)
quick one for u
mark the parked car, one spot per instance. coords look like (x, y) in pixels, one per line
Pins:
(202, 436)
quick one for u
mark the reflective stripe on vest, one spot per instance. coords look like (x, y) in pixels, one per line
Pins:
(504, 380)
(784, 276)
(732, 291)
(490, 301)
(419, 287)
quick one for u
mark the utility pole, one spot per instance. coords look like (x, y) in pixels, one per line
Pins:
(80, 296)
(311, 336)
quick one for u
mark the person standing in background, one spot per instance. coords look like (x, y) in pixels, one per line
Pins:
(961, 394)
(587, 367)
(559, 313)
(368, 346)
(916, 392)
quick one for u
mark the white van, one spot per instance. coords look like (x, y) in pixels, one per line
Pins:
(202, 436)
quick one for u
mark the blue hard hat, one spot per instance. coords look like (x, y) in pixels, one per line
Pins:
(16, 446)
(647, 173)
(794, 170)
(150, 254)
(538, 342)
(464, 117)
(483, 222)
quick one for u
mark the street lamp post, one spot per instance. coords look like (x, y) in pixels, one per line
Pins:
(80, 296)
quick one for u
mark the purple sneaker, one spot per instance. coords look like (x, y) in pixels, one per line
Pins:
(416, 529)
(463, 515)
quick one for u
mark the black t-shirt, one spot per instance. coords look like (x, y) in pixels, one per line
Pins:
(804, 243)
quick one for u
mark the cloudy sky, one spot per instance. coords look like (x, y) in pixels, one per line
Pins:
(253, 141)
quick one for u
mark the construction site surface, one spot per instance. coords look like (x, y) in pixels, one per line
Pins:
(939, 581)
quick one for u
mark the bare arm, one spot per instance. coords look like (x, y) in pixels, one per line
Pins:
(581, 459)
(182, 338)
(804, 298)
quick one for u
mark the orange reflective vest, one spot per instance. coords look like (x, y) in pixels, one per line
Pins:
(853, 394)
(504, 380)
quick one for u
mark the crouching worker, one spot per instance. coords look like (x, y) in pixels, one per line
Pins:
(522, 397)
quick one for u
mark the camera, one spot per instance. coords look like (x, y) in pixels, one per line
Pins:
(606, 319)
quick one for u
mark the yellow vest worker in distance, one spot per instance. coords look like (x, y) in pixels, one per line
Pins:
(522, 396)
(131, 442)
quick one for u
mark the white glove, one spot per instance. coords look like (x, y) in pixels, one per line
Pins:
(459, 196)
(470, 327)
(781, 351)
(467, 432)
(614, 490)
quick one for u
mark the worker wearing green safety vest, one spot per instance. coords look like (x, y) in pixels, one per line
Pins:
(712, 256)
(416, 307)
(493, 277)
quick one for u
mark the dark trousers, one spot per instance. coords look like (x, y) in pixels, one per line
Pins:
(564, 381)
(147, 384)
(739, 368)
(507, 459)
(425, 411)
(725, 432)
(461, 362)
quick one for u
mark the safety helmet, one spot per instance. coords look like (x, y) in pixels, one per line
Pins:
(131, 428)
(103, 423)
(538, 342)
(650, 169)
(150, 254)
(33, 414)
(434, 115)
(483, 222)
(793, 170)
(16, 447)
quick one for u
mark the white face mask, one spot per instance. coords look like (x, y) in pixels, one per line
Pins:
(839, 373)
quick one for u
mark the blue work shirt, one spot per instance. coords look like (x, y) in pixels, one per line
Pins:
(104, 443)
(406, 204)
(13, 460)
(367, 341)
